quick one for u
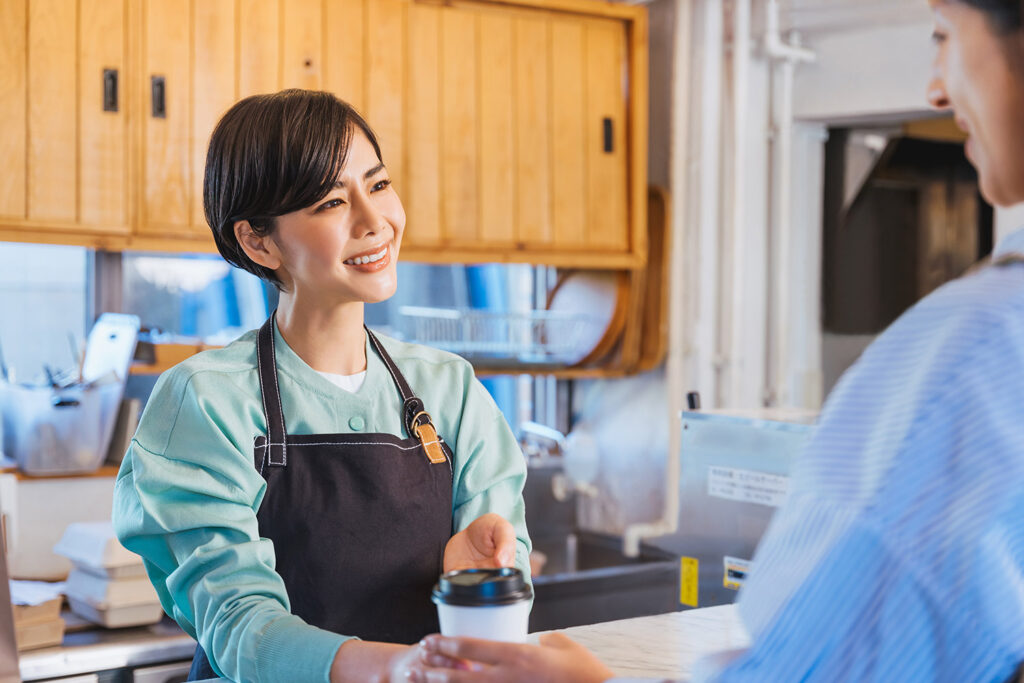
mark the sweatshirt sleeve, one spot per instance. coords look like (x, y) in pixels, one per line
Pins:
(185, 500)
(490, 469)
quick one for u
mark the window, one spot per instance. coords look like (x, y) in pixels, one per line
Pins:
(194, 296)
(483, 313)
(44, 291)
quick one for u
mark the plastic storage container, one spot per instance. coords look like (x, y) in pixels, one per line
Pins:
(107, 592)
(108, 585)
(58, 430)
(116, 617)
(51, 431)
(93, 546)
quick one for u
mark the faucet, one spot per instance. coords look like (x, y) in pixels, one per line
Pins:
(553, 452)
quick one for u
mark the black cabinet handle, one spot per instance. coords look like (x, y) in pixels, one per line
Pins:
(608, 135)
(158, 97)
(110, 90)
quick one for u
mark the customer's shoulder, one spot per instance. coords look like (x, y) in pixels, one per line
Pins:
(991, 295)
(949, 328)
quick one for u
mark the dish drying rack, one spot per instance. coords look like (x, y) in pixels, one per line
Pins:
(529, 336)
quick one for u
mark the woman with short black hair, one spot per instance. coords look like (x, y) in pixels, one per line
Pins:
(296, 494)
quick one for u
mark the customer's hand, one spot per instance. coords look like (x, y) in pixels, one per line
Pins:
(558, 659)
(489, 542)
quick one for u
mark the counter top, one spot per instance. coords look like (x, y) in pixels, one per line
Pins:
(664, 645)
(103, 649)
(661, 646)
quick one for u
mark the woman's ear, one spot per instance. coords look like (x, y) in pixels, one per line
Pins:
(259, 248)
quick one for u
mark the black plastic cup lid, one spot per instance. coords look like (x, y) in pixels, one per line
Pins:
(482, 587)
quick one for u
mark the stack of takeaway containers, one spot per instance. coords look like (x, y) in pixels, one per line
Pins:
(38, 625)
(108, 583)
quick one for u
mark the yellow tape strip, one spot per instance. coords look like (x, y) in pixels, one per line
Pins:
(689, 576)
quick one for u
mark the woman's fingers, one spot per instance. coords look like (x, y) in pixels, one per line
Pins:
(493, 539)
(504, 542)
(558, 640)
(472, 649)
(441, 676)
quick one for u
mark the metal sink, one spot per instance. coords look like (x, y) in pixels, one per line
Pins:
(587, 580)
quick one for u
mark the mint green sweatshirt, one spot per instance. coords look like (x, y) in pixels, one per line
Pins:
(187, 494)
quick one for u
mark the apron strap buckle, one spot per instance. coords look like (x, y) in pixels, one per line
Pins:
(427, 435)
(413, 407)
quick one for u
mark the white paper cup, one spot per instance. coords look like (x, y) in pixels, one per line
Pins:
(493, 604)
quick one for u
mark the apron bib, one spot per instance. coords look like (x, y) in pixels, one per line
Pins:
(359, 521)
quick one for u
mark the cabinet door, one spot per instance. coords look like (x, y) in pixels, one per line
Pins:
(13, 109)
(214, 89)
(605, 125)
(64, 130)
(165, 83)
(198, 60)
(516, 130)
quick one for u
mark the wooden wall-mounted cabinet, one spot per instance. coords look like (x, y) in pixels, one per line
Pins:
(514, 130)
(64, 124)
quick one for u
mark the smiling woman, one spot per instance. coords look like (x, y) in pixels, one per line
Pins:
(297, 493)
(979, 74)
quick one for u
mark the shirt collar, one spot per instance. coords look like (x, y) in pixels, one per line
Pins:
(1012, 243)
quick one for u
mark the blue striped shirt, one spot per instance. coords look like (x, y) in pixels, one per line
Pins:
(899, 553)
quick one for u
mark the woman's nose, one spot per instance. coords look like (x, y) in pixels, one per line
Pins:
(368, 219)
(937, 96)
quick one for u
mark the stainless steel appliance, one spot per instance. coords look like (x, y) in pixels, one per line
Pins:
(734, 474)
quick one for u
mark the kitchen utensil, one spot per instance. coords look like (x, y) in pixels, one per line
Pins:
(654, 325)
(110, 346)
(601, 294)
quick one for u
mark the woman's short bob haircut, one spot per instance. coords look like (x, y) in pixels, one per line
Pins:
(273, 154)
(1004, 15)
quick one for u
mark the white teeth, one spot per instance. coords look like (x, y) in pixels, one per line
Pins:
(362, 260)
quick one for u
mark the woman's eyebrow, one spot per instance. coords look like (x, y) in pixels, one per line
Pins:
(366, 176)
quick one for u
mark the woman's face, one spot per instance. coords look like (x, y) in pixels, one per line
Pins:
(978, 74)
(344, 248)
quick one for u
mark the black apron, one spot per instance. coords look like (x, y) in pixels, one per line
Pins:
(359, 521)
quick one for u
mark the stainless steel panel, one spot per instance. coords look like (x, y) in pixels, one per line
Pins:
(176, 672)
(8, 646)
(734, 473)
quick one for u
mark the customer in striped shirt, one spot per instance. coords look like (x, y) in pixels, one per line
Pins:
(899, 554)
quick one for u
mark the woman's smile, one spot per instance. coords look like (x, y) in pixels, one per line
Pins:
(371, 261)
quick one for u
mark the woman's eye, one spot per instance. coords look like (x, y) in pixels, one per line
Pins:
(381, 184)
(938, 37)
(330, 204)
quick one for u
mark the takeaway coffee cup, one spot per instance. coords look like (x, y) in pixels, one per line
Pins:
(484, 603)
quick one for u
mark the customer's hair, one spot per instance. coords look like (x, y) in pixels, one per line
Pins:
(1004, 15)
(270, 155)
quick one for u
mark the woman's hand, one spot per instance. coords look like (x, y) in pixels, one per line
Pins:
(558, 659)
(488, 543)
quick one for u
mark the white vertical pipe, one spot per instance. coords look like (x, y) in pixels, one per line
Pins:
(679, 271)
(808, 175)
(741, 86)
(709, 301)
(782, 233)
(783, 237)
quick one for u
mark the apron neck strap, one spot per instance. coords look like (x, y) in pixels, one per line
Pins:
(273, 411)
(266, 363)
(412, 406)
